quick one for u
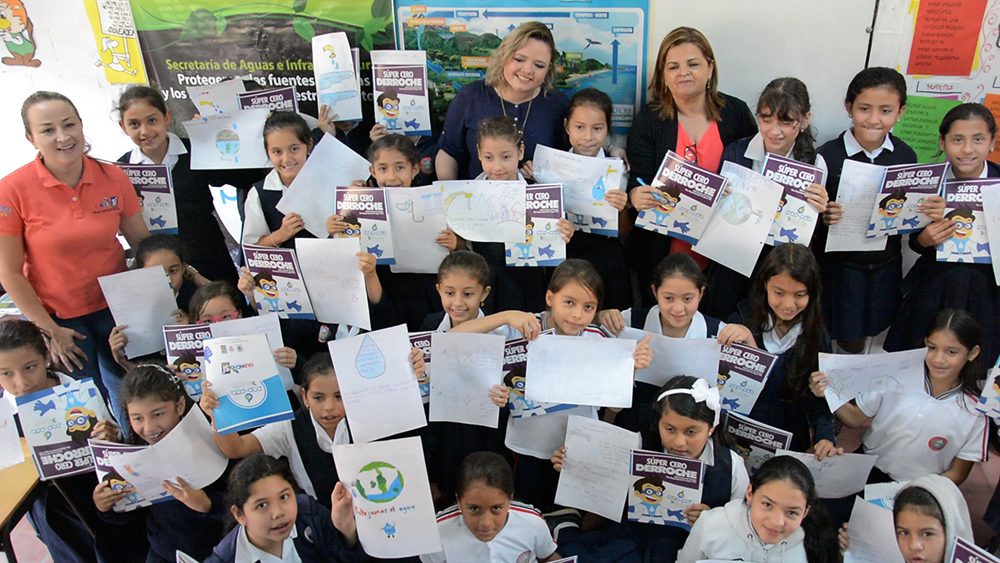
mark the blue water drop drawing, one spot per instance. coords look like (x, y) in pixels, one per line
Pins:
(370, 361)
(599, 190)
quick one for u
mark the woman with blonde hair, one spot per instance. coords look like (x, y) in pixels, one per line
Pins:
(688, 115)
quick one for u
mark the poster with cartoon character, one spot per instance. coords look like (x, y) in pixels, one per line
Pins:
(57, 422)
(392, 497)
(903, 188)
(336, 76)
(422, 340)
(244, 375)
(399, 89)
(228, 142)
(585, 180)
(964, 208)
(543, 244)
(17, 35)
(515, 362)
(278, 286)
(184, 352)
(989, 401)
(743, 370)
(273, 99)
(686, 196)
(755, 442)
(664, 486)
(103, 453)
(363, 209)
(964, 551)
(156, 195)
(795, 219)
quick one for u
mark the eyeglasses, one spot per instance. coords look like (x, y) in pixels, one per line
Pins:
(220, 318)
(962, 224)
(388, 106)
(691, 153)
(894, 206)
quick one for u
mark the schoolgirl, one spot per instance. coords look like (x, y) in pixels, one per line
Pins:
(967, 137)
(906, 430)
(861, 288)
(463, 284)
(144, 117)
(785, 318)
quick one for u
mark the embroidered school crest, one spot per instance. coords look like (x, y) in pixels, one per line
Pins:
(937, 443)
(524, 557)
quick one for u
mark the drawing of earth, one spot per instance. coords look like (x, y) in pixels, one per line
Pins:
(379, 482)
(736, 209)
(227, 141)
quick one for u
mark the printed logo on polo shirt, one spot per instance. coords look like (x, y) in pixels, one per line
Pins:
(937, 443)
(109, 204)
(524, 557)
(427, 165)
(5, 211)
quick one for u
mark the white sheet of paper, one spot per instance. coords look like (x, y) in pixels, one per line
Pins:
(10, 445)
(991, 209)
(333, 278)
(392, 497)
(837, 476)
(217, 99)
(585, 181)
(466, 367)
(268, 325)
(859, 185)
(376, 379)
(851, 374)
(417, 218)
(313, 191)
(873, 535)
(188, 452)
(596, 474)
(599, 375)
(485, 211)
(185, 558)
(230, 141)
(736, 232)
(143, 301)
(231, 362)
(539, 436)
(698, 357)
(883, 494)
(336, 78)
(224, 200)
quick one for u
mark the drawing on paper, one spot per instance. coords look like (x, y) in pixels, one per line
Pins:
(737, 209)
(379, 482)
(370, 361)
(227, 141)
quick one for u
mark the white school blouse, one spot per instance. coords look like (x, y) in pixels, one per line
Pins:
(255, 226)
(277, 440)
(247, 552)
(697, 329)
(523, 539)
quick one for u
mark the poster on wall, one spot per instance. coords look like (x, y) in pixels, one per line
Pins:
(200, 42)
(117, 41)
(601, 44)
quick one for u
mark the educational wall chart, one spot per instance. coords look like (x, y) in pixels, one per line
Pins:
(336, 77)
(104, 453)
(363, 209)
(687, 197)
(743, 370)
(601, 44)
(663, 487)
(543, 244)
(57, 422)
(156, 196)
(795, 219)
(400, 91)
(585, 180)
(277, 278)
(903, 188)
(964, 207)
(756, 442)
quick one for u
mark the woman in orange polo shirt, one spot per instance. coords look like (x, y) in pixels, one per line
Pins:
(59, 217)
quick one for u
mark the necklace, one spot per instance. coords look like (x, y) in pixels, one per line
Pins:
(503, 106)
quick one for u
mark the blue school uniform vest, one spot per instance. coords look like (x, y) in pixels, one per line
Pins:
(318, 463)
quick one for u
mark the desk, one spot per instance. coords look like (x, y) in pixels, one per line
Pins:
(20, 485)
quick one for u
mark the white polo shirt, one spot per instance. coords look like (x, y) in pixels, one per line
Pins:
(853, 147)
(697, 329)
(524, 538)
(277, 439)
(915, 434)
(175, 148)
(255, 226)
(247, 552)
(756, 153)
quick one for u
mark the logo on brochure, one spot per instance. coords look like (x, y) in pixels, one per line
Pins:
(248, 396)
(228, 368)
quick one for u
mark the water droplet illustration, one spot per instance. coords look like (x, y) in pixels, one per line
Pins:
(48, 435)
(249, 397)
(599, 190)
(370, 361)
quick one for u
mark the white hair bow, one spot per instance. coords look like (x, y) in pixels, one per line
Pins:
(702, 392)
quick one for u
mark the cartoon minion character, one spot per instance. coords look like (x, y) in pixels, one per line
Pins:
(190, 374)
(265, 284)
(388, 106)
(80, 422)
(964, 218)
(649, 491)
(890, 207)
(529, 236)
(353, 229)
(668, 199)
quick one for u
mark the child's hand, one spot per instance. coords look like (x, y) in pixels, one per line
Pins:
(844, 539)
(566, 228)
(933, 207)
(833, 214)
(285, 357)
(692, 512)
(335, 224)
(818, 383)
(615, 151)
(209, 400)
(366, 263)
(246, 284)
(377, 132)
(735, 333)
(291, 224)
(612, 320)
(359, 183)
(447, 239)
(643, 354)
(195, 499)
(500, 395)
(105, 497)
(642, 197)
(343, 514)
(417, 359)
(180, 317)
(825, 448)
(525, 323)
(817, 196)
(105, 430)
(327, 122)
(559, 458)
(936, 233)
(616, 198)
(118, 341)
(528, 170)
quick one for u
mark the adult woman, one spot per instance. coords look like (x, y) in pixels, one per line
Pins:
(687, 115)
(59, 217)
(519, 84)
